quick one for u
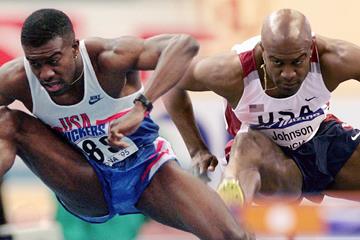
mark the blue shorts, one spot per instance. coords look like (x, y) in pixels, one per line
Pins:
(124, 182)
(320, 159)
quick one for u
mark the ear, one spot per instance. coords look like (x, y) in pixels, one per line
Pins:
(263, 51)
(263, 57)
(261, 45)
(75, 47)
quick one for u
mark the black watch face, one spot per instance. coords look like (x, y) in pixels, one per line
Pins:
(145, 102)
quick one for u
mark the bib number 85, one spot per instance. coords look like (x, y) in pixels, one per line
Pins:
(94, 152)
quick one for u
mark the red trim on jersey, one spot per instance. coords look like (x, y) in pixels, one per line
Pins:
(158, 151)
(247, 62)
(232, 121)
(113, 117)
(146, 172)
(228, 149)
(330, 117)
(314, 53)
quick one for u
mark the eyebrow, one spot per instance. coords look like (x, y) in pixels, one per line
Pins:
(37, 59)
(302, 55)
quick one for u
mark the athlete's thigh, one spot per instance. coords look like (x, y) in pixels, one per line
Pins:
(178, 199)
(59, 164)
(346, 151)
(279, 173)
(348, 178)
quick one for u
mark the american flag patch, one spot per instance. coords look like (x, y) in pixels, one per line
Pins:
(256, 107)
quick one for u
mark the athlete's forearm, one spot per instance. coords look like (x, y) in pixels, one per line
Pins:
(178, 104)
(172, 65)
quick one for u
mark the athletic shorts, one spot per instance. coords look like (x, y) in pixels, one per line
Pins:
(321, 158)
(125, 181)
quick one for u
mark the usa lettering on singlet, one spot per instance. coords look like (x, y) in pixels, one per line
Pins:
(290, 121)
(86, 123)
(92, 138)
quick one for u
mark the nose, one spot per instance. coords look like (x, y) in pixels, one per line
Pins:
(46, 73)
(288, 73)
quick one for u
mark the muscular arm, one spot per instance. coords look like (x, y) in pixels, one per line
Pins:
(339, 61)
(220, 74)
(168, 55)
(12, 82)
(179, 106)
(174, 60)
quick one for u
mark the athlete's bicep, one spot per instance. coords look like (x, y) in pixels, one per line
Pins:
(194, 79)
(150, 51)
(173, 48)
(116, 55)
(133, 53)
(221, 74)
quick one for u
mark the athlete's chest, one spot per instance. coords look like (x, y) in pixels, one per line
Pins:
(112, 83)
(270, 112)
(257, 104)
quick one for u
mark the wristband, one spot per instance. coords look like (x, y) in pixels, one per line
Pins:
(145, 102)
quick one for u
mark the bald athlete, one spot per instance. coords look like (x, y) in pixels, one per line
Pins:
(277, 87)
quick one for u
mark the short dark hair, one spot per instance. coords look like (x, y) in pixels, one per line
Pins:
(44, 25)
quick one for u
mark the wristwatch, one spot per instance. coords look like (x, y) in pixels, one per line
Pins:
(145, 102)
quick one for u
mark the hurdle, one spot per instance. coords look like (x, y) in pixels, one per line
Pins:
(290, 220)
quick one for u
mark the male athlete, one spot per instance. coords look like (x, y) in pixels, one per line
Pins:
(92, 140)
(277, 87)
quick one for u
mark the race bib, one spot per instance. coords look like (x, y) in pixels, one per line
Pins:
(99, 149)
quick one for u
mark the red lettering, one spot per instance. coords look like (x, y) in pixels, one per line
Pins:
(63, 124)
(85, 120)
(80, 121)
(75, 120)
(68, 123)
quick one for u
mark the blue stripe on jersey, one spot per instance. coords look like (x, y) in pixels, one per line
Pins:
(289, 122)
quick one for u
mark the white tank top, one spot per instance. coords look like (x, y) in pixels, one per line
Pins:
(290, 121)
(85, 123)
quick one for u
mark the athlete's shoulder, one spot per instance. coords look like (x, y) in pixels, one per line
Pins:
(113, 54)
(337, 47)
(218, 66)
(98, 44)
(13, 71)
(324, 45)
(336, 53)
(13, 80)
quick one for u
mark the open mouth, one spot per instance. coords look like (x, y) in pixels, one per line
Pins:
(53, 87)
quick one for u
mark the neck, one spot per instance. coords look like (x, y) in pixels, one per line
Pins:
(81, 74)
(79, 77)
(266, 87)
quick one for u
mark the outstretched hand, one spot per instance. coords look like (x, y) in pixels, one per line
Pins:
(203, 161)
(124, 126)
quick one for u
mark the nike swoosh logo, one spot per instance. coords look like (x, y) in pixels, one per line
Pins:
(355, 137)
(93, 101)
(309, 99)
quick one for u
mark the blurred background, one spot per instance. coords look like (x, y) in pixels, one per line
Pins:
(31, 210)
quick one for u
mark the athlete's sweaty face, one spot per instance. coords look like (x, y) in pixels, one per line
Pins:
(54, 64)
(286, 66)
